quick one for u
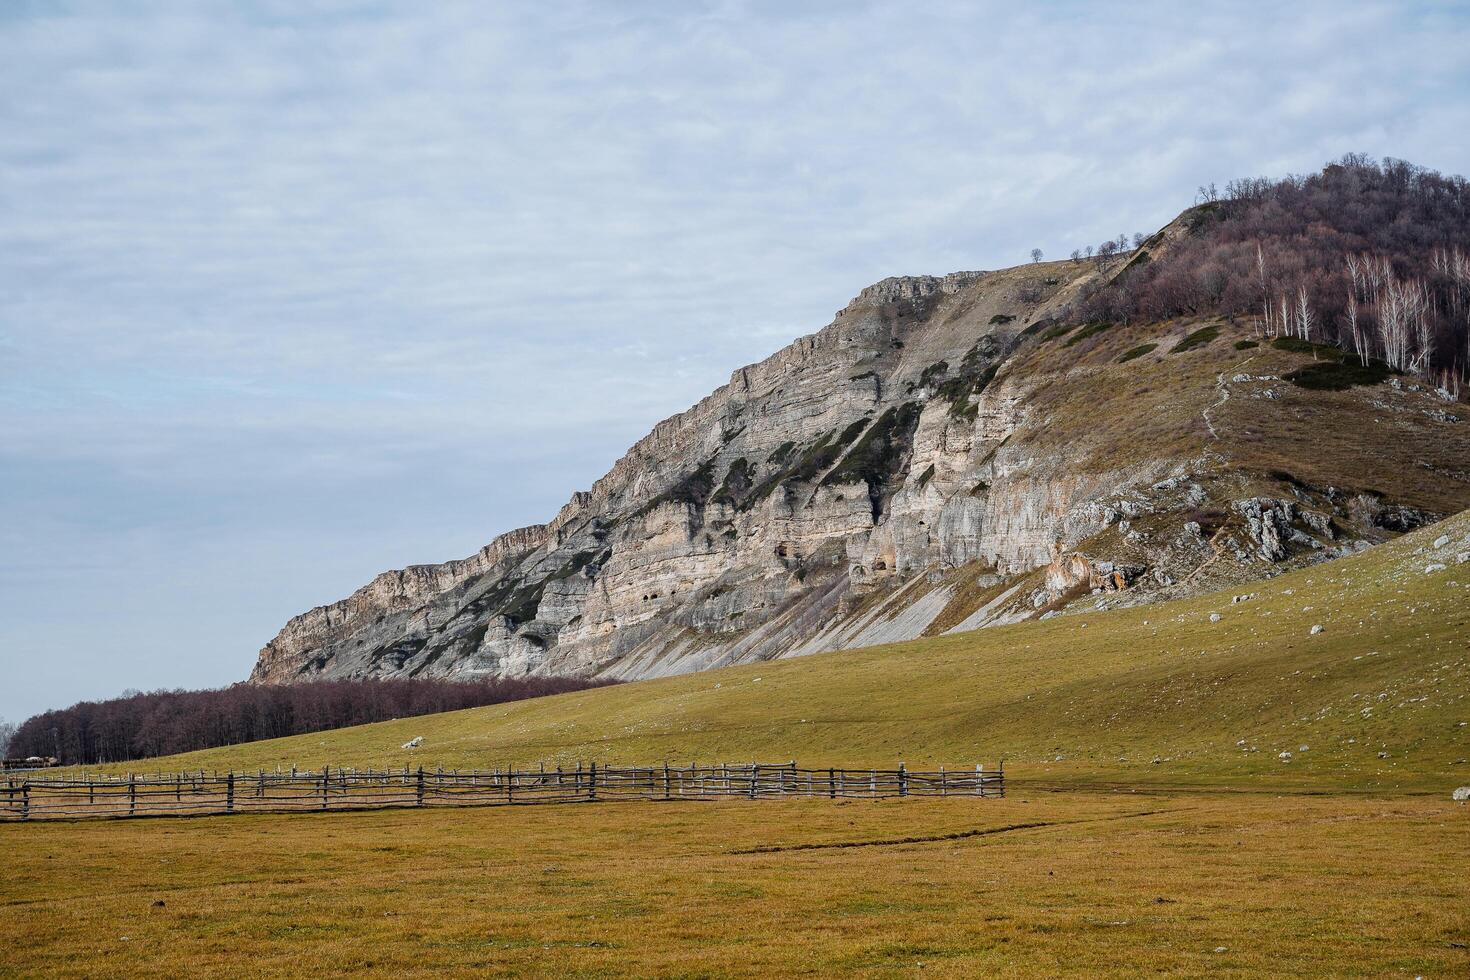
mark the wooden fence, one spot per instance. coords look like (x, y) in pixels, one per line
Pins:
(40, 796)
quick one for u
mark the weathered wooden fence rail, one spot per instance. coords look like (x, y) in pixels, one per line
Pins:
(41, 796)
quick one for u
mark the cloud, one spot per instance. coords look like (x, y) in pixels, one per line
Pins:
(369, 282)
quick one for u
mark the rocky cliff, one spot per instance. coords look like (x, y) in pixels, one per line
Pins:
(946, 454)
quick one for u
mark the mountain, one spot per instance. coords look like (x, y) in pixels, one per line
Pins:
(956, 452)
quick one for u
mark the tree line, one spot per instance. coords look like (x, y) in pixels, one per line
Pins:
(146, 725)
(1371, 257)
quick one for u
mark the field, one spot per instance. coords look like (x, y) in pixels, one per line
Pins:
(1098, 883)
(1150, 822)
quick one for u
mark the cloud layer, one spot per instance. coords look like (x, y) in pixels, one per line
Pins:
(294, 292)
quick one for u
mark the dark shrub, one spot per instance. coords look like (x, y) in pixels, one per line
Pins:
(1199, 338)
(1338, 375)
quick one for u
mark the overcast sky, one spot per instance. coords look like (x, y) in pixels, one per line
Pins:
(295, 292)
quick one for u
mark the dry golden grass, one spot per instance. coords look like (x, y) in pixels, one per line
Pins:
(1101, 884)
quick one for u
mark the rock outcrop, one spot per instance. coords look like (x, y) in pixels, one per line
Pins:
(942, 456)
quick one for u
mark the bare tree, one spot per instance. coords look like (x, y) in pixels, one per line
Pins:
(1036, 255)
(1087, 251)
(1304, 319)
(7, 732)
(1356, 330)
(1138, 239)
(1423, 332)
(1076, 255)
(1265, 289)
(1395, 321)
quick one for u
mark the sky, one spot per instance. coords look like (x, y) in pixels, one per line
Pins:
(295, 292)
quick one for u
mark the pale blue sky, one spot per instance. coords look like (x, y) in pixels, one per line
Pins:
(295, 292)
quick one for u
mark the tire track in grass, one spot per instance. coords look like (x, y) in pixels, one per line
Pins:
(941, 838)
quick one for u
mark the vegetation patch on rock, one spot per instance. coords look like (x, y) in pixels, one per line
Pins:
(882, 453)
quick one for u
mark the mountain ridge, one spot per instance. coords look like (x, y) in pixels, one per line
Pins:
(947, 452)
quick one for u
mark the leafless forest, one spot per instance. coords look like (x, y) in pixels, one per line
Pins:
(142, 726)
(1370, 257)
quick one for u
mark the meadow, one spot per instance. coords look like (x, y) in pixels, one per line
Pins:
(1151, 823)
(1036, 884)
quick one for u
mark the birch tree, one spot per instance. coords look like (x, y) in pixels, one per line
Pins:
(1304, 319)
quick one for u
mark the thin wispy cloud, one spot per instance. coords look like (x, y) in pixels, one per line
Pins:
(294, 292)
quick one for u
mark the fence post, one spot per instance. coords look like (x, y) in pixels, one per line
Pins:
(752, 780)
(979, 780)
(667, 794)
(230, 793)
(25, 801)
(325, 770)
(418, 793)
(903, 780)
(592, 781)
(132, 794)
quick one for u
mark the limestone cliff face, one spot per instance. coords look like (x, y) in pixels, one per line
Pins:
(937, 458)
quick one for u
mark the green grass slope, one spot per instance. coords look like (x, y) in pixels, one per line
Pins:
(1380, 699)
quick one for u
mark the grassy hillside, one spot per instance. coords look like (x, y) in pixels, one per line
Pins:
(1157, 695)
